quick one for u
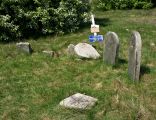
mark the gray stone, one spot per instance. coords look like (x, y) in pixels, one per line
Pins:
(152, 44)
(49, 53)
(134, 56)
(84, 50)
(111, 48)
(24, 47)
(70, 50)
(78, 101)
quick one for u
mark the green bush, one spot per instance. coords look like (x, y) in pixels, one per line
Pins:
(24, 18)
(124, 4)
(154, 2)
(8, 30)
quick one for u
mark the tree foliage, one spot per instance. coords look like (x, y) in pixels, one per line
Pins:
(23, 18)
(124, 4)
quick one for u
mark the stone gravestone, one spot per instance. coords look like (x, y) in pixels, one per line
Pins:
(79, 101)
(24, 47)
(111, 48)
(134, 55)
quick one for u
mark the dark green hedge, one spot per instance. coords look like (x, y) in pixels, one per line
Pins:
(124, 4)
(24, 18)
(154, 2)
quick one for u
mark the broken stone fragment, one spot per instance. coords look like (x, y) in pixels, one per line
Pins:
(152, 44)
(79, 101)
(49, 53)
(70, 50)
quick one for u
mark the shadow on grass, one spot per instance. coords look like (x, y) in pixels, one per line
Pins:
(144, 70)
(99, 21)
(102, 21)
(120, 62)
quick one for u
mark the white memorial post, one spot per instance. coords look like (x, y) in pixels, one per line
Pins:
(94, 27)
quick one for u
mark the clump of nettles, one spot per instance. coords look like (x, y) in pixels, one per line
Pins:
(24, 18)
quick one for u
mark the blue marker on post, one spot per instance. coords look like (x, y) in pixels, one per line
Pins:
(98, 38)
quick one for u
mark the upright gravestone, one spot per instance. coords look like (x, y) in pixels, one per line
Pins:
(111, 48)
(134, 55)
(24, 47)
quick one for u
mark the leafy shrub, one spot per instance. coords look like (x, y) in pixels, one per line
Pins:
(154, 2)
(142, 4)
(8, 30)
(23, 18)
(124, 4)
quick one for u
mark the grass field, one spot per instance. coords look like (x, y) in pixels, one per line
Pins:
(31, 86)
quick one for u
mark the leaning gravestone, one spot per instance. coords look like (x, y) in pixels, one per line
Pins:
(134, 55)
(111, 48)
(24, 47)
(84, 50)
(78, 101)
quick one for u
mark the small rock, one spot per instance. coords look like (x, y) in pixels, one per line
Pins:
(24, 47)
(70, 49)
(152, 44)
(79, 101)
(127, 30)
(49, 53)
(85, 50)
(98, 86)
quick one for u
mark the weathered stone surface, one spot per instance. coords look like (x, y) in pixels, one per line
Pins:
(24, 47)
(70, 50)
(134, 55)
(78, 101)
(111, 48)
(49, 53)
(85, 50)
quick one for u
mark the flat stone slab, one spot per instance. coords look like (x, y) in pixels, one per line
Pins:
(79, 101)
(85, 50)
(24, 47)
